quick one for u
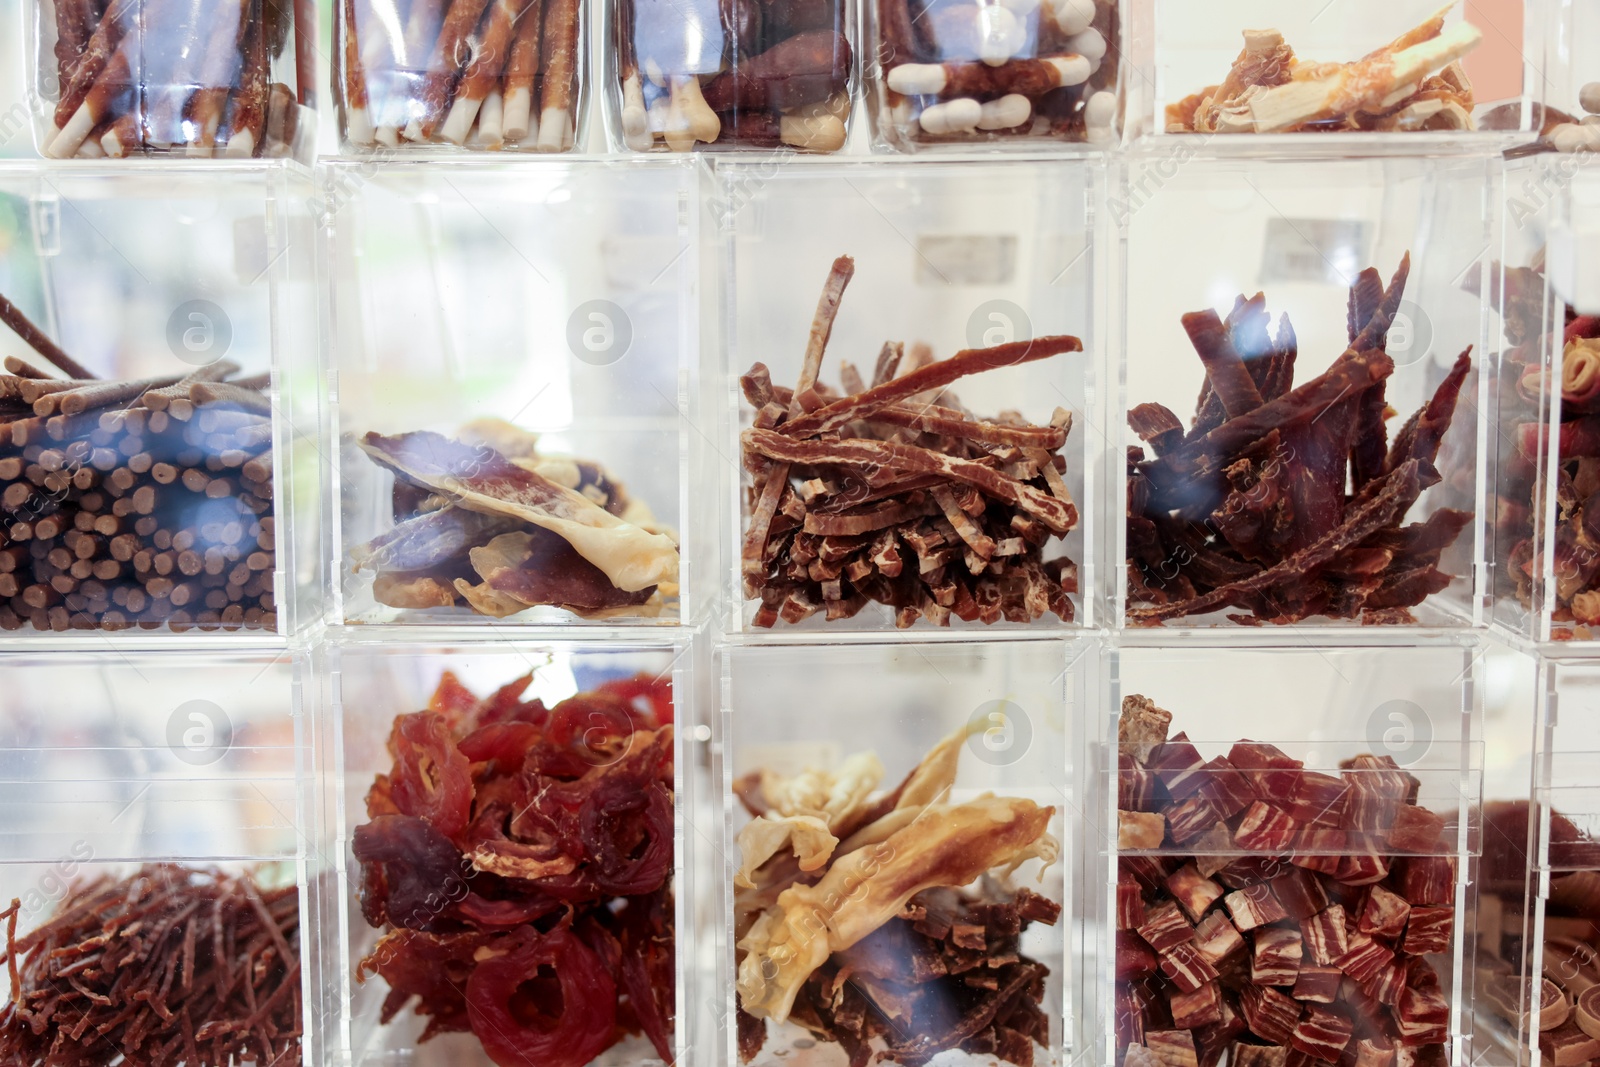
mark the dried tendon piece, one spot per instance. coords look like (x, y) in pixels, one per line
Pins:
(1413, 83)
(894, 494)
(1288, 503)
(519, 859)
(170, 964)
(487, 522)
(906, 941)
(1287, 941)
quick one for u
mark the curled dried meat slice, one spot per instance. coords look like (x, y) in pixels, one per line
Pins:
(521, 977)
(411, 874)
(431, 778)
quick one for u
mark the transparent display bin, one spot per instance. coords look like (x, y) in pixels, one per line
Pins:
(1547, 570)
(518, 392)
(896, 783)
(1438, 83)
(745, 74)
(179, 490)
(234, 80)
(947, 258)
(1251, 503)
(957, 75)
(474, 871)
(493, 75)
(1332, 905)
(184, 781)
(1567, 58)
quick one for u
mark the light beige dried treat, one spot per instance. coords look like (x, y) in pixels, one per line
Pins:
(835, 797)
(1140, 829)
(948, 845)
(1142, 726)
(806, 836)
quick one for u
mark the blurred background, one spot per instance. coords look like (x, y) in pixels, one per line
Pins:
(19, 143)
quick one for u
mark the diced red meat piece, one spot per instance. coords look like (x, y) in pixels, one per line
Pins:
(1130, 905)
(1428, 880)
(1325, 936)
(1277, 955)
(1428, 930)
(1165, 928)
(1300, 893)
(1177, 764)
(1363, 958)
(1192, 1009)
(1253, 907)
(1317, 984)
(1217, 938)
(1319, 801)
(1322, 1034)
(1193, 891)
(1384, 913)
(1225, 787)
(1264, 828)
(1270, 771)
(1271, 1015)
(1187, 969)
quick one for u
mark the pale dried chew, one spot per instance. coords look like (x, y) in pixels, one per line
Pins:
(1140, 830)
(559, 68)
(1587, 1012)
(1142, 726)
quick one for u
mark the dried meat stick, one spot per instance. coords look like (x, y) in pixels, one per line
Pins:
(247, 124)
(35, 339)
(1029, 77)
(559, 65)
(444, 67)
(635, 117)
(217, 70)
(522, 67)
(357, 114)
(75, 22)
(483, 73)
(305, 53)
(116, 79)
(96, 54)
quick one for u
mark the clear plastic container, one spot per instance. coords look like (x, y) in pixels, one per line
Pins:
(1333, 904)
(1209, 528)
(489, 75)
(948, 257)
(1020, 74)
(145, 77)
(991, 728)
(1185, 52)
(472, 901)
(186, 496)
(1567, 58)
(491, 316)
(194, 770)
(1547, 573)
(729, 74)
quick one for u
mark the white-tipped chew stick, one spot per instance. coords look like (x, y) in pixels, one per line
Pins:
(103, 42)
(960, 115)
(115, 79)
(559, 66)
(122, 138)
(492, 120)
(248, 122)
(217, 72)
(483, 73)
(522, 68)
(815, 133)
(1005, 113)
(444, 67)
(358, 128)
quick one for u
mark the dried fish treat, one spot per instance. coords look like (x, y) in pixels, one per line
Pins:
(128, 504)
(1287, 502)
(486, 75)
(856, 906)
(486, 522)
(171, 964)
(893, 493)
(1252, 949)
(140, 77)
(731, 73)
(965, 73)
(512, 841)
(1415, 82)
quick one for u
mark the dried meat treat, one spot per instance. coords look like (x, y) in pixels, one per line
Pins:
(905, 941)
(1287, 502)
(1277, 939)
(511, 841)
(220, 79)
(126, 504)
(1413, 83)
(893, 493)
(487, 75)
(488, 523)
(171, 964)
(739, 73)
(962, 73)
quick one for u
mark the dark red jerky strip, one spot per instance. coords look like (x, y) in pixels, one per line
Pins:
(1157, 426)
(1230, 380)
(1419, 439)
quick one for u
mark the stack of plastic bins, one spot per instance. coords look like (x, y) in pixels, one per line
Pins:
(1299, 230)
(1177, 50)
(1328, 914)
(822, 689)
(189, 499)
(498, 327)
(175, 786)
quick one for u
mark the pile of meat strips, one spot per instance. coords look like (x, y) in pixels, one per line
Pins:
(1286, 501)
